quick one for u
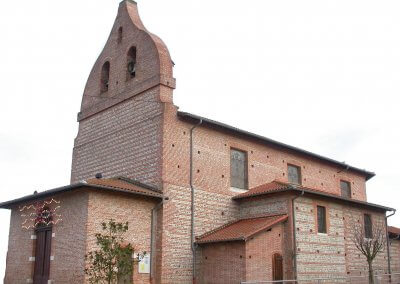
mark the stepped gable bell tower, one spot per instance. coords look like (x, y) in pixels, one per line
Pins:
(120, 120)
(132, 61)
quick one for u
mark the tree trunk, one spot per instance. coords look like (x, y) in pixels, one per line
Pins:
(370, 273)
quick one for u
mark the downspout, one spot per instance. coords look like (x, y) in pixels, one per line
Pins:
(387, 241)
(192, 201)
(153, 236)
(294, 236)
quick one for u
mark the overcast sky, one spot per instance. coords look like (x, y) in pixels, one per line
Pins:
(320, 75)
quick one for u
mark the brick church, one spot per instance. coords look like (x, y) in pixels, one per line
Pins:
(208, 202)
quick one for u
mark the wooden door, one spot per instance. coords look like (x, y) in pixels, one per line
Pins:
(42, 256)
(277, 267)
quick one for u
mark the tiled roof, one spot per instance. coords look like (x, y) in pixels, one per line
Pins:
(117, 184)
(125, 184)
(241, 230)
(263, 189)
(278, 186)
(394, 230)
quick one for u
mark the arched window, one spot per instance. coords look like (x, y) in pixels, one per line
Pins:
(131, 63)
(105, 76)
(119, 39)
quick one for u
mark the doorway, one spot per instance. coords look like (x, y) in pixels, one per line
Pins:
(42, 255)
(277, 267)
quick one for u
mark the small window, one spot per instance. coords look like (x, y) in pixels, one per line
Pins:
(345, 189)
(368, 226)
(131, 63)
(119, 39)
(105, 77)
(321, 216)
(294, 175)
(238, 169)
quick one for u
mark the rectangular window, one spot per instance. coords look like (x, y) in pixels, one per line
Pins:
(368, 226)
(321, 216)
(294, 175)
(345, 188)
(238, 169)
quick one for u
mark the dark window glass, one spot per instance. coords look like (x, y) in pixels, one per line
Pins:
(294, 175)
(345, 188)
(105, 77)
(119, 40)
(368, 226)
(238, 169)
(321, 212)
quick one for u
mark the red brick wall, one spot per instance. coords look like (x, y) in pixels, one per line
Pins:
(211, 179)
(122, 208)
(222, 263)
(120, 130)
(259, 252)
(67, 247)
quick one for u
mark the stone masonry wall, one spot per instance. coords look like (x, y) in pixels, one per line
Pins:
(395, 255)
(67, 245)
(332, 254)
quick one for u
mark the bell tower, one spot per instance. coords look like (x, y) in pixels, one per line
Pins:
(120, 120)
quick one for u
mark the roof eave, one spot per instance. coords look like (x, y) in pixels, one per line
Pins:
(43, 194)
(339, 198)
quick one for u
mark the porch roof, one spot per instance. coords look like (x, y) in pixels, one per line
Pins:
(241, 230)
(278, 186)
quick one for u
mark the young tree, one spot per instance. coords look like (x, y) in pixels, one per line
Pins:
(370, 241)
(113, 260)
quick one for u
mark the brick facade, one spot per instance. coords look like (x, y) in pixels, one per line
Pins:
(334, 253)
(395, 255)
(68, 244)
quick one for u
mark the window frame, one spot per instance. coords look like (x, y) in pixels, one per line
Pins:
(341, 190)
(326, 210)
(299, 173)
(370, 232)
(246, 169)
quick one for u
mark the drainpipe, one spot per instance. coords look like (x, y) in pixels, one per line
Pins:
(153, 236)
(192, 201)
(294, 236)
(387, 240)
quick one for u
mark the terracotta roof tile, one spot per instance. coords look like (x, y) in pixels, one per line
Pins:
(241, 230)
(394, 230)
(125, 184)
(264, 188)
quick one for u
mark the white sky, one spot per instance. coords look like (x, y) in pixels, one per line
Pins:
(319, 75)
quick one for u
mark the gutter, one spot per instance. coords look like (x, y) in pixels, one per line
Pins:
(387, 241)
(192, 239)
(294, 236)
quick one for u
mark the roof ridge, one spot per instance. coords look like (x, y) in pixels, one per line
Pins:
(263, 216)
(267, 226)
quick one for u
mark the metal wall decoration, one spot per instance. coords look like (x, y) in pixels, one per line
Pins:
(40, 214)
